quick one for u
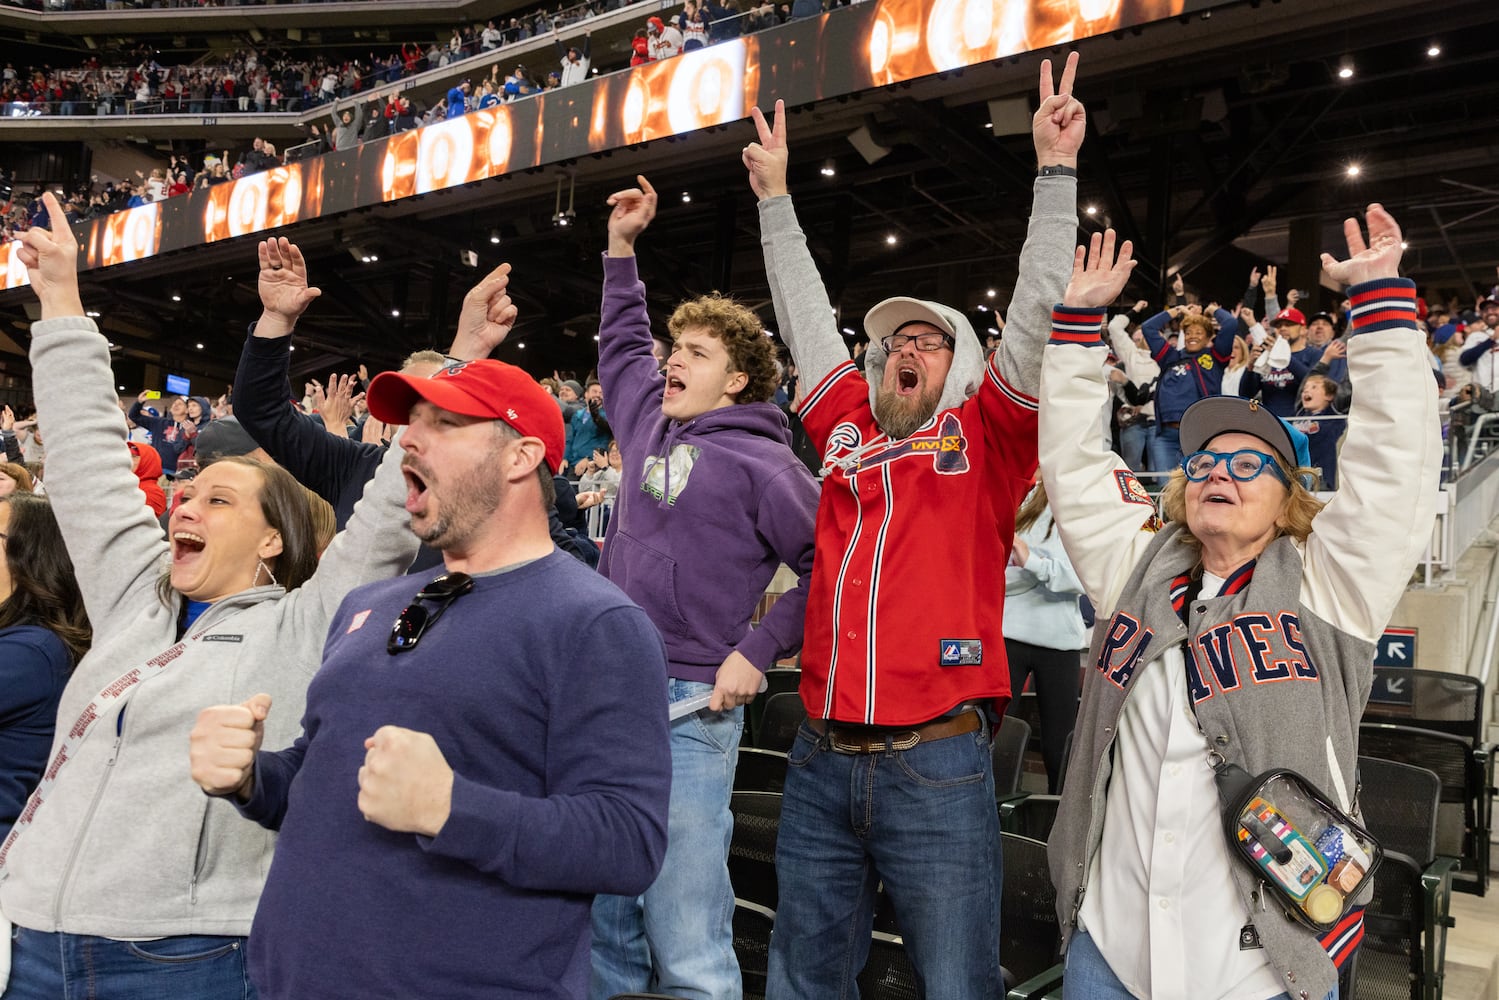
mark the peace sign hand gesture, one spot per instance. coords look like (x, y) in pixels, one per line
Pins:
(1060, 122)
(766, 160)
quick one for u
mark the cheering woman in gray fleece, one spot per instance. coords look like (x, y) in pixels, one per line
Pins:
(121, 878)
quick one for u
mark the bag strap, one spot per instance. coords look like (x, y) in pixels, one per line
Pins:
(118, 692)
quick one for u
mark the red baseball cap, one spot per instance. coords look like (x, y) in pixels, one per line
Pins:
(488, 389)
(1289, 315)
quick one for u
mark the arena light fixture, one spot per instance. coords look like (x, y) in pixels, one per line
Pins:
(176, 296)
(1091, 209)
(828, 170)
(1354, 170)
(494, 237)
(890, 239)
(200, 347)
(991, 293)
(1433, 50)
(395, 313)
(1345, 69)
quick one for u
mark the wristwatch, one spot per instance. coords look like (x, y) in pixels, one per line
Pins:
(1056, 170)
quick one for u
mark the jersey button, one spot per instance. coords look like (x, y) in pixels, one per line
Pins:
(853, 635)
(858, 583)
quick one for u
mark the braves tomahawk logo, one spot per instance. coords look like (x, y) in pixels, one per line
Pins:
(948, 449)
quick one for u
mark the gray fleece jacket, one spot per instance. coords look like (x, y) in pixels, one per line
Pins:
(125, 845)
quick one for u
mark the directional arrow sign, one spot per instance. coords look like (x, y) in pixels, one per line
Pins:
(1396, 648)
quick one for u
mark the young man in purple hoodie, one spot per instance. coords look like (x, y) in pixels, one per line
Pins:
(711, 501)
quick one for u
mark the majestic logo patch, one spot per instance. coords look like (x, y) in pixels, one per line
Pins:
(1130, 489)
(962, 652)
(357, 622)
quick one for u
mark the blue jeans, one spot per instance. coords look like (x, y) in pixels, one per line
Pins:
(79, 967)
(923, 822)
(1134, 444)
(1165, 449)
(1088, 976)
(678, 938)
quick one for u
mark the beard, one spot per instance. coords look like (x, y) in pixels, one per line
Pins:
(467, 503)
(901, 416)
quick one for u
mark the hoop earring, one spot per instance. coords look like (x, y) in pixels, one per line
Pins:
(260, 565)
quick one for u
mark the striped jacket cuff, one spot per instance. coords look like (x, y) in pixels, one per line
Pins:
(1384, 304)
(1072, 325)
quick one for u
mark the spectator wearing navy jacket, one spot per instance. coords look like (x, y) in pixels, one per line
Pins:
(1192, 372)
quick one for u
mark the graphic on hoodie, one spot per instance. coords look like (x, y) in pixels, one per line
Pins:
(670, 473)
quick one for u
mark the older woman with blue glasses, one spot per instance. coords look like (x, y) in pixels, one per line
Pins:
(1242, 631)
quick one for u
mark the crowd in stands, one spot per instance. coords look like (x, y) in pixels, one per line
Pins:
(1289, 358)
(263, 81)
(266, 81)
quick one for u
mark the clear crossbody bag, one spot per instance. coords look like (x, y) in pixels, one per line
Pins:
(1313, 857)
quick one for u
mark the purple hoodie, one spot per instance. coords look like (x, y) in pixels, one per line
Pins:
(695, 540)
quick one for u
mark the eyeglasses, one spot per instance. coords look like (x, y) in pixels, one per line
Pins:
(414, 619)
(1244, 465)
(929, 341)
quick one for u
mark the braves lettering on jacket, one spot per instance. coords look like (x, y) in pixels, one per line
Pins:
(920, 530)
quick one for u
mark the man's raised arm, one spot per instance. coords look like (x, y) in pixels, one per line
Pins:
(803, 312)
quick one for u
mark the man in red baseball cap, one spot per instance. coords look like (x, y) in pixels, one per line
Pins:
(462, 738)
(474, 431)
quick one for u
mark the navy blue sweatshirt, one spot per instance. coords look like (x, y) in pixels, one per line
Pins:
(34, 668)
(545, 690)
(1186, 378)
(168, 437)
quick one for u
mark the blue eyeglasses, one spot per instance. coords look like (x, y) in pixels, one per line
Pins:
(1244, 465)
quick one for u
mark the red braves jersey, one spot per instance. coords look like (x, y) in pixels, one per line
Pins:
(907, 591)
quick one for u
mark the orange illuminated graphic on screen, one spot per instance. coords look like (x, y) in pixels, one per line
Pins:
(267, 200)
(12, 271)
(133, 234)
(845, 51)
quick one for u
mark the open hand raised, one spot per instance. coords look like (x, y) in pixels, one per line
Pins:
(1378, 258)
(1097, 275)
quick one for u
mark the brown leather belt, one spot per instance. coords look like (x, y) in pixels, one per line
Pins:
(844, 738)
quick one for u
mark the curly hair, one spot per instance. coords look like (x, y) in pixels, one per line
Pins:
(743, 336)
